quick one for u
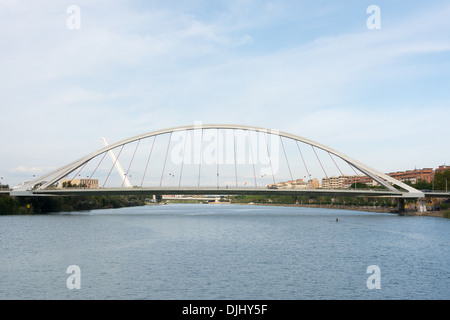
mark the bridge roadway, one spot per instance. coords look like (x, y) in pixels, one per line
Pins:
(220, 191)
(212, 191)
(437, 194)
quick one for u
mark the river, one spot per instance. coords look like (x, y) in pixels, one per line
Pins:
(223, 251)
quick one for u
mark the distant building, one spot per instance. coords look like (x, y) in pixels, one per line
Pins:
(334, 182)
(413, 176)
(79, 183)
(296, 184)
(300, 184)
(313, 184)
(345, 182)
(442, 169)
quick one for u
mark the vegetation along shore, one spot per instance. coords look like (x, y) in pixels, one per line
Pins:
(41, 205)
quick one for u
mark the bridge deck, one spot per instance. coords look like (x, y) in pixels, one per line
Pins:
(216, 191)
(220, 191)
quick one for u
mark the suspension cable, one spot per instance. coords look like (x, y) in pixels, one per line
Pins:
(132, 158)
(356, 174)
(319, 161)
(235, 162)
(148, 160)
(200, 161)
(303, 159)
(104, 155)
(78, 173)
(335, 163)
(251, 152)
(217, 158)
(182, 161)
(268, 153)
(165, 160)
(289, 167)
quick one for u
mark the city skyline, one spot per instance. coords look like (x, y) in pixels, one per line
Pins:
(73, 72)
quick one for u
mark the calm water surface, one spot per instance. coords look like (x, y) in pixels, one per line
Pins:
(209, 251)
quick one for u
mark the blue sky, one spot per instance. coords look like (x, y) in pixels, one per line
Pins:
(312, 68)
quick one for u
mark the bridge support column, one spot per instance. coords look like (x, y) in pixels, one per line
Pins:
(401, 206)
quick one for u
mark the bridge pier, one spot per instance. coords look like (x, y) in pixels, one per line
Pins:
(401, 206)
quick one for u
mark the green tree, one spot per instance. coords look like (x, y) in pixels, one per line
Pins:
(422, 185)
(67, 184)
(359, 185)
(8, 205)
(442, 180)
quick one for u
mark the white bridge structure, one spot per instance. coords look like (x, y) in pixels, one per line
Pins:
(216, 159)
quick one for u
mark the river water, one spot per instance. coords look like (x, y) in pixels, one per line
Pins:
(218, 251)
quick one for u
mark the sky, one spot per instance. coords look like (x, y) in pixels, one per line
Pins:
(372, 84)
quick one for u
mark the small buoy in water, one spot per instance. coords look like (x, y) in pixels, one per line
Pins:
(337, 220)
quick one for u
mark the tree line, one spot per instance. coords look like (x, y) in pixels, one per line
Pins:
(36, 205)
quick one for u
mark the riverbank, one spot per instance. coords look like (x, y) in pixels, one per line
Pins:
(10, 205)
(41, 205)
(439, 214)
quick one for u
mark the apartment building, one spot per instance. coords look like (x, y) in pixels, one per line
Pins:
(441, 169)
(334, 182)
(80, 183)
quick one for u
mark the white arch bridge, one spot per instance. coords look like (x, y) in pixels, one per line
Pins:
(217, 159)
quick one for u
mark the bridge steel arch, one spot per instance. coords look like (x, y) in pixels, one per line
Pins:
(51, 178)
